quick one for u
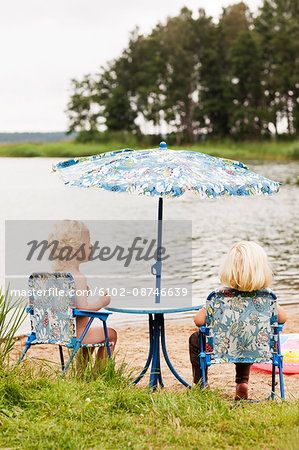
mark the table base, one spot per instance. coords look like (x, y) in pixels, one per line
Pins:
(157, 339)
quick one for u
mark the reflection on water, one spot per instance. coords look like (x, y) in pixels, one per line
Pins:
(271, 221)
(30, 191)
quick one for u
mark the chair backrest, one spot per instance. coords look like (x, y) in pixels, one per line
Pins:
(52, 299)
(241, 326)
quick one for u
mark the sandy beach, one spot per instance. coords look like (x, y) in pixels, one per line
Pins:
(132, 347)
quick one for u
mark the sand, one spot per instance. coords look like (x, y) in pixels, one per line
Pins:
(132, 347)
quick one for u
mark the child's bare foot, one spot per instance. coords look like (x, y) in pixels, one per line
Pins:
(241, 391)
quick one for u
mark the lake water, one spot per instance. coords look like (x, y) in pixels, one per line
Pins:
(28, 190)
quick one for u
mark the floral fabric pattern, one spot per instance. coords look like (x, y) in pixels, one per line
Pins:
(52, 299)
(164, 173)
(241, 326)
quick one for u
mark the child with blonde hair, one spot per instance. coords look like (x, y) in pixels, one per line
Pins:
(246, 269)
(73, 248)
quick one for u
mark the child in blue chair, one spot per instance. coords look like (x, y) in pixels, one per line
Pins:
(72, 234)
(244, 269)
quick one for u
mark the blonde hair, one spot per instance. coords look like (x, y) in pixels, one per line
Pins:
(246, 267)
(68, 233)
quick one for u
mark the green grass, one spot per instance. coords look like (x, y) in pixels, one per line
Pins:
(283, 151)
(42, 412)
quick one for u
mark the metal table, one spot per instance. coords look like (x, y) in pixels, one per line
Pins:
(156, 338)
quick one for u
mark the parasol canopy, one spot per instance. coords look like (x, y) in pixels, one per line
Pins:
(164, 173)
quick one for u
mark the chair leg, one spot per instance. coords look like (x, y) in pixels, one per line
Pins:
(107, 339)
(280, 364)
(203, 374)
(202, 360)
(31, 338)
(27, 347)
(61, 357)
(281, 382)
(273, 381)
(75, 350)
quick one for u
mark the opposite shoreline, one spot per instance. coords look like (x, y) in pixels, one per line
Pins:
(243, 150)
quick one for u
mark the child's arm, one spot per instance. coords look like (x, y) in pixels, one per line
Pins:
(81, 300)
(200, 318)
(282, 316)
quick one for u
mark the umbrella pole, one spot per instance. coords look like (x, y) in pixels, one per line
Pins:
(158, 265)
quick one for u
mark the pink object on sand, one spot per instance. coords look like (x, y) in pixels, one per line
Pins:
(290, 350)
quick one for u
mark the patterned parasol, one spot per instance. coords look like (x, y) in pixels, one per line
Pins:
(164, 173)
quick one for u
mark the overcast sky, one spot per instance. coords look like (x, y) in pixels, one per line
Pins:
(46, 43)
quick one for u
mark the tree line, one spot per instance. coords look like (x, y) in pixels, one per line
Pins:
(197, 78)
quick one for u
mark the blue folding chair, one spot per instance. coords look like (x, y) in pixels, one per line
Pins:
(53, 315)
(241, 327)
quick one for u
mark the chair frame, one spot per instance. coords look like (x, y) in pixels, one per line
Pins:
(75, 343)
(277, 360)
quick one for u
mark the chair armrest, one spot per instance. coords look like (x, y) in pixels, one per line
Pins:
(96, 314)
(202, 328)
(29, 310)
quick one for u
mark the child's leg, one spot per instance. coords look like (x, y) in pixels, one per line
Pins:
(96, 336)
(194, 358)
(84, 355)
(242, 378)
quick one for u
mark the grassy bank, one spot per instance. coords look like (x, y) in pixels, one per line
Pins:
(226, 149)
(38, 412)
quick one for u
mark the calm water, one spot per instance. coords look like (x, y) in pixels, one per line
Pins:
(28, 190)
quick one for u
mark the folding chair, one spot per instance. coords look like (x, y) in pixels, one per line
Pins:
(241, 327)
(53, 315)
